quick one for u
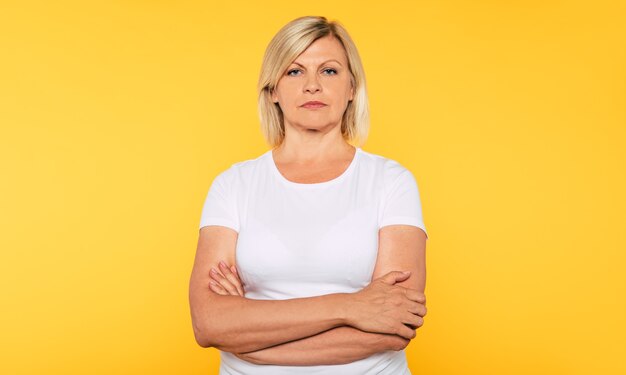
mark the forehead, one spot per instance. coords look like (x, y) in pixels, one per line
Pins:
(323, 49)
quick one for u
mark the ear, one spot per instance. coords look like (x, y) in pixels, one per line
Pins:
(274, 96)
(351, 93)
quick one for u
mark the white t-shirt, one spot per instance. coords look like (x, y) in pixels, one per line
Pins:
(301, 240)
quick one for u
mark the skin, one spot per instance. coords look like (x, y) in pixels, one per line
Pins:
(400, 245)
(240, 325)
(313, 151)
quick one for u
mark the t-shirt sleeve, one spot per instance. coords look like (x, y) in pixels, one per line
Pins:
(402, 204)
(220, 206)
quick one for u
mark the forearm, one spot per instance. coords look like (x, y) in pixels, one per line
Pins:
(237, 324)
(339, 345)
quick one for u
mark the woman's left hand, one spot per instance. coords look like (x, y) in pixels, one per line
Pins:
(227, 281)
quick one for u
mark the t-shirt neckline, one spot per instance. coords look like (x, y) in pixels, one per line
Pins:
(335, 180)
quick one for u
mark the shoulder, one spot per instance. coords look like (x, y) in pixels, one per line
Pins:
(243, 169)
(386, 169)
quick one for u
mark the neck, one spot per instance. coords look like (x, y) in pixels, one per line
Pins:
(312, 146)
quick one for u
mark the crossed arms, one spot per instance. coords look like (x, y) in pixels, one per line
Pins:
(322, 330)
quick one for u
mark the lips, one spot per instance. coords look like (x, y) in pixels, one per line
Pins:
(313, 104)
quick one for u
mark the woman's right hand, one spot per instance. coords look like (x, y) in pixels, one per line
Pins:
(382, 307)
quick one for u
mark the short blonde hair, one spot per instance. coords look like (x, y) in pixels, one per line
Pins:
(290, 41)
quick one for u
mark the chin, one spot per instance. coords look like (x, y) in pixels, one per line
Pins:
(317, 125)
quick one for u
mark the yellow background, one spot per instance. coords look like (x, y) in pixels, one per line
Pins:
(115, 116)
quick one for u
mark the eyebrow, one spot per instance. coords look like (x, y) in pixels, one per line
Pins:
(321, 63)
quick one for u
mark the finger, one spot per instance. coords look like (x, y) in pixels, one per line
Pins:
(406, 332)
(243, 284)
(395, 276)
(414, 320)
(231, 277)
(418, 309)
(415, 295)
(234, 269)
(215, 287)
(223, 282)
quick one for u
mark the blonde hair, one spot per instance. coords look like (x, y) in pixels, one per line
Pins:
(290, 41)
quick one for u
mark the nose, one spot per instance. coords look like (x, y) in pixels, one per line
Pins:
(312, 84)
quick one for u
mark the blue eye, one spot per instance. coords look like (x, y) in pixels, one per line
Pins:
(330, 71)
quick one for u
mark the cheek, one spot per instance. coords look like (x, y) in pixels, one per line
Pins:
(343, 96)
(342, 91)
(286, 94)
(286, 103)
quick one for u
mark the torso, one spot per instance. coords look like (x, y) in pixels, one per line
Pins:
(308, 231)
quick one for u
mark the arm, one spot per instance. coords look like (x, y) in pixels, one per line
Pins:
(337, 346)
(237, 324)
(401, 247)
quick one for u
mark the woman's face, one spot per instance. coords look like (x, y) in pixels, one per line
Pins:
(321, 74)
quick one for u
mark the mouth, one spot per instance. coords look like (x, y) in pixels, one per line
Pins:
(313, 105)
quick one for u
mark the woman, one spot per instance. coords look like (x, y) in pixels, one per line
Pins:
(319, 229)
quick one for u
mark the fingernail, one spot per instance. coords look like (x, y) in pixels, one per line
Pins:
(406, 272)
(223, 264)
(213, 271)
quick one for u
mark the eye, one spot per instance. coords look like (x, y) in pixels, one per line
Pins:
(330, 70)
(291, 71)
